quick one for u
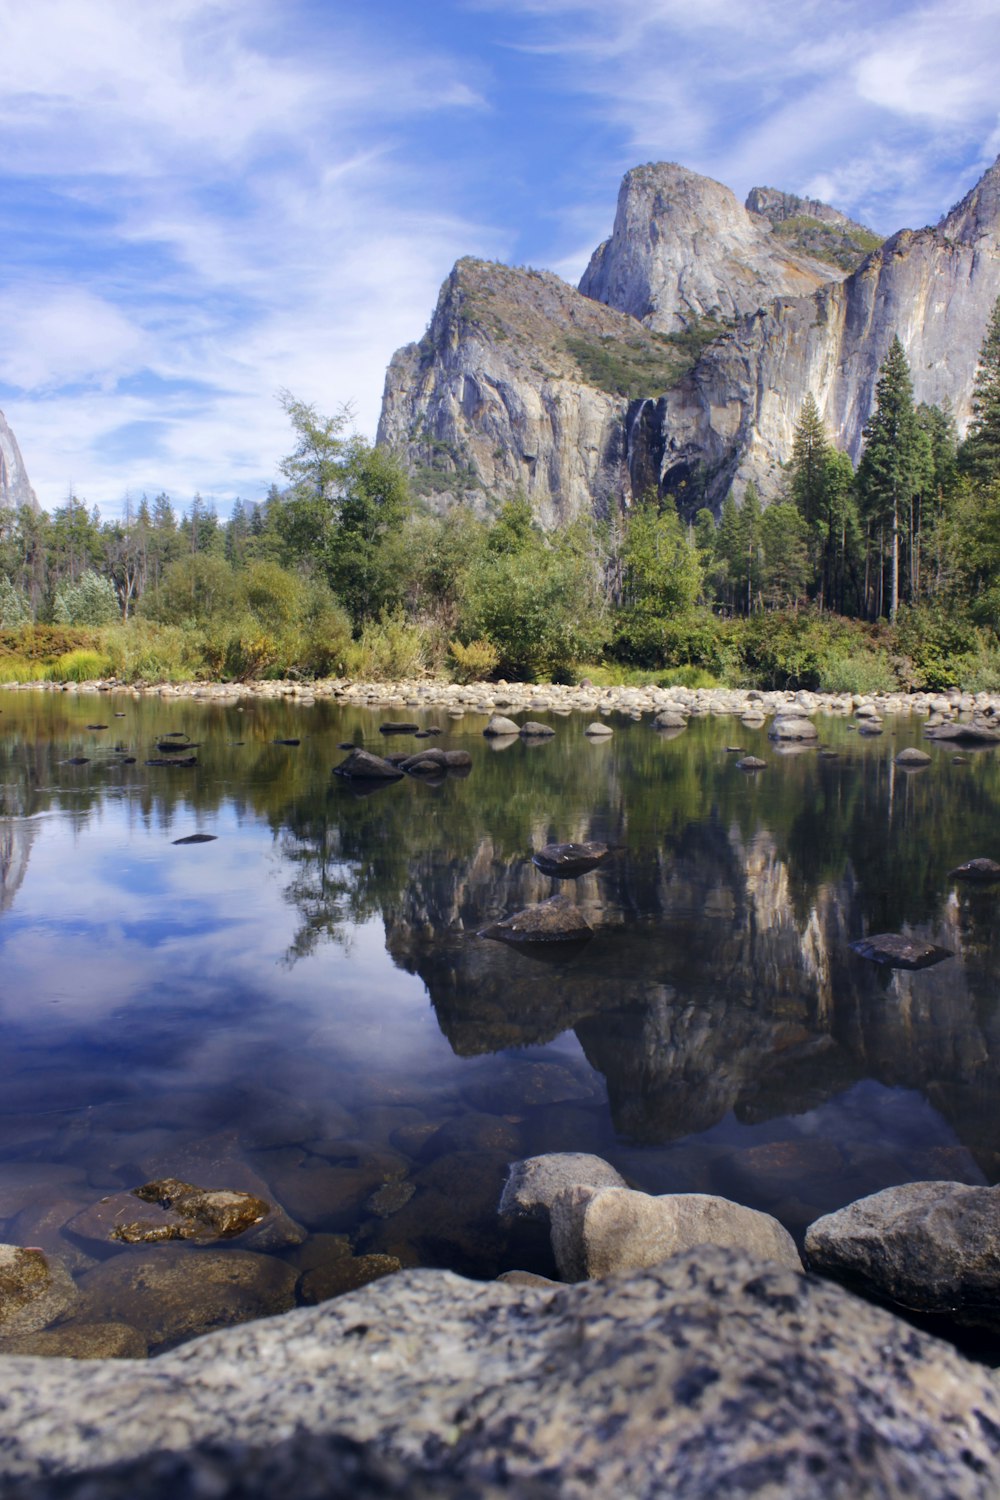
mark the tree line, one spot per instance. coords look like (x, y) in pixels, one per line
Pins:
(340, 568)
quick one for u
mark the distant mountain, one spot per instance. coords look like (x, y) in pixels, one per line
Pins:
(15, 489)
(683, 359)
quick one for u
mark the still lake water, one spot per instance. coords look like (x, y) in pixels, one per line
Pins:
(307, 993)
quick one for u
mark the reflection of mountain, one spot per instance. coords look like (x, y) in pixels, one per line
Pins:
(704, 992)
(16, 838)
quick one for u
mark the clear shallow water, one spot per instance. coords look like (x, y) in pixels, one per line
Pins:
(307, 994)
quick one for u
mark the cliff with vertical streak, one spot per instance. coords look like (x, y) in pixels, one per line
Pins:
(15, 490)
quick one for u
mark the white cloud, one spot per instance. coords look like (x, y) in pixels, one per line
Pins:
(61, 335)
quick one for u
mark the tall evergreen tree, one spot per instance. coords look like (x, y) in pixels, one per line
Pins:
(822, 491)
(979, 455)
(891, 469)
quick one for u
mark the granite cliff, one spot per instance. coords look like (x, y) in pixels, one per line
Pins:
(15, 489)
(683, 359)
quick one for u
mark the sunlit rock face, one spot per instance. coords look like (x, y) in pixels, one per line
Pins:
(15, 490)
(684, 248)
(683, 361)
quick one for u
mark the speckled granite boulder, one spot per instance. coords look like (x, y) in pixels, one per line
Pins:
(792, 727)
(597, 1231)
(712, 1374)
(930, 1246)
(533, 1185)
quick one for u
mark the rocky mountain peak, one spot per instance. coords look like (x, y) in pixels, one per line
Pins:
(15, 489)
(977, 216)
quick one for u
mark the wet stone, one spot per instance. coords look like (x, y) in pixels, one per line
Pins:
(389, 1199)
(981, 871)
(80, 1341)
(567, 861)
(473, 1131)
(898, 952)
(345, 1275)
(554, 921)
(170, 1210)
(361, 765)
(751, 763)
(34, 1290)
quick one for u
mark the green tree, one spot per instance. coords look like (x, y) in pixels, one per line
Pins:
(785, 563)
(821, 487)
(91, 600)
(892, 470)
(14, 607)
(979, 455)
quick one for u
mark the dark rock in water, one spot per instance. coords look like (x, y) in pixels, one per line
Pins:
(77, 760)
(432, 729)
(197, 838)
(237, 742)
(362, 765)
(960, 760)
(899, 952)
(345, 1275)
(734, 749)
(97, 726)
(176, 747)
(174, 760)
(342, 745)
(128, 760)
(389, 1199)
(913, 757)
(985, 871)
(119, 716)
(751, 763)
(423, 760)
(932, 1247)
(829, 754)
(397, 728)
(286, 742)
(554, 921)
(532, 730)
(713, 1374)
(175, 734)
(421, 765)
(567, 861)
(169, 1209)
(457, 760)
(422, 734)
(81, 1341)
(399, 757)
(975, 733)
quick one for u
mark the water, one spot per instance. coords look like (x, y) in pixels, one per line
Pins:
(307, 997)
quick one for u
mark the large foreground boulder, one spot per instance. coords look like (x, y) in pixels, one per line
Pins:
(711, 1375)
(932, 1247)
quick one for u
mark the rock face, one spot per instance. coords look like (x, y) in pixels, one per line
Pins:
(930, 1246)
(684, 249)
(15, 490)
(683, 361)
(714, 1374)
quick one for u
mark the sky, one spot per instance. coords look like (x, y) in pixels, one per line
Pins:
(204, 203)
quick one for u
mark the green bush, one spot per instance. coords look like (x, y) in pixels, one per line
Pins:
(14, 607)
(79, 666)
(141, 651)
(389, 649)
(474, 662)
(90, 601)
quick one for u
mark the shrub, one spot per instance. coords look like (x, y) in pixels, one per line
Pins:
(389, 649)
(79, 666)
(90, 601)
(474, 662)
(141, 651)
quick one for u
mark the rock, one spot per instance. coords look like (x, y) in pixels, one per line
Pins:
(80, 1341)
(567, 861)
(871, 726)
(392, 727)
(169, 1210)
(362, 765)
(197, 838)
(529, 1279)
(911, 756)
(457, 760)
(432, 757)
(389, 1199)
(499, 726)
(34, 1291)
(933, 1247)
(751, 763)
(474, 1130)
(793, 727)
(596, 1231)
(711, 1375)
(974, 733)
(345, 1275)
(533, 1185)
(670, 718)
(983, 871)
(286, 742)
(599, 731)
(171, 1293)
(531, 730)
(899, 952)
(554, 921)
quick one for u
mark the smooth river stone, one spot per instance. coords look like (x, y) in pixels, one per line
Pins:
(34, 1290)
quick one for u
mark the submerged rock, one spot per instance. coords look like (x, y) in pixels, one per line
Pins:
(911, 756)
(566, 861)
(554, 921)
(345, 1275)
(713, 1374)
(899, 952)
(34, 1290)
(80, 1341)
(933, 1247)
(598, 1230)
(170, 1210)
(751, 763)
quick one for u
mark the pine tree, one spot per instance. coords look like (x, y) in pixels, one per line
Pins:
(892, 465)
(979, 455)
(821, 489)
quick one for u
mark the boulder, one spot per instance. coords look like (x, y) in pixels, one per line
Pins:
(792, 727)
(532, 730)
(714, 1374)
(911, 756)
(599, 730)
(499, 726)
(80, 1341)
(434, 758)
(457, 760)
(670, 718)
(392, 726)
(567, 861)
(533, 1184)
(596, 1231)
(362, 765)
(898, 952)
(34, 1290)
(983, 871)
(977, 732)
(930, 1246)
(751, 763)
(345, 1275)
(554, 921)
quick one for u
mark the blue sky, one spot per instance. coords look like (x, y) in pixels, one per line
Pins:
(207, 201)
